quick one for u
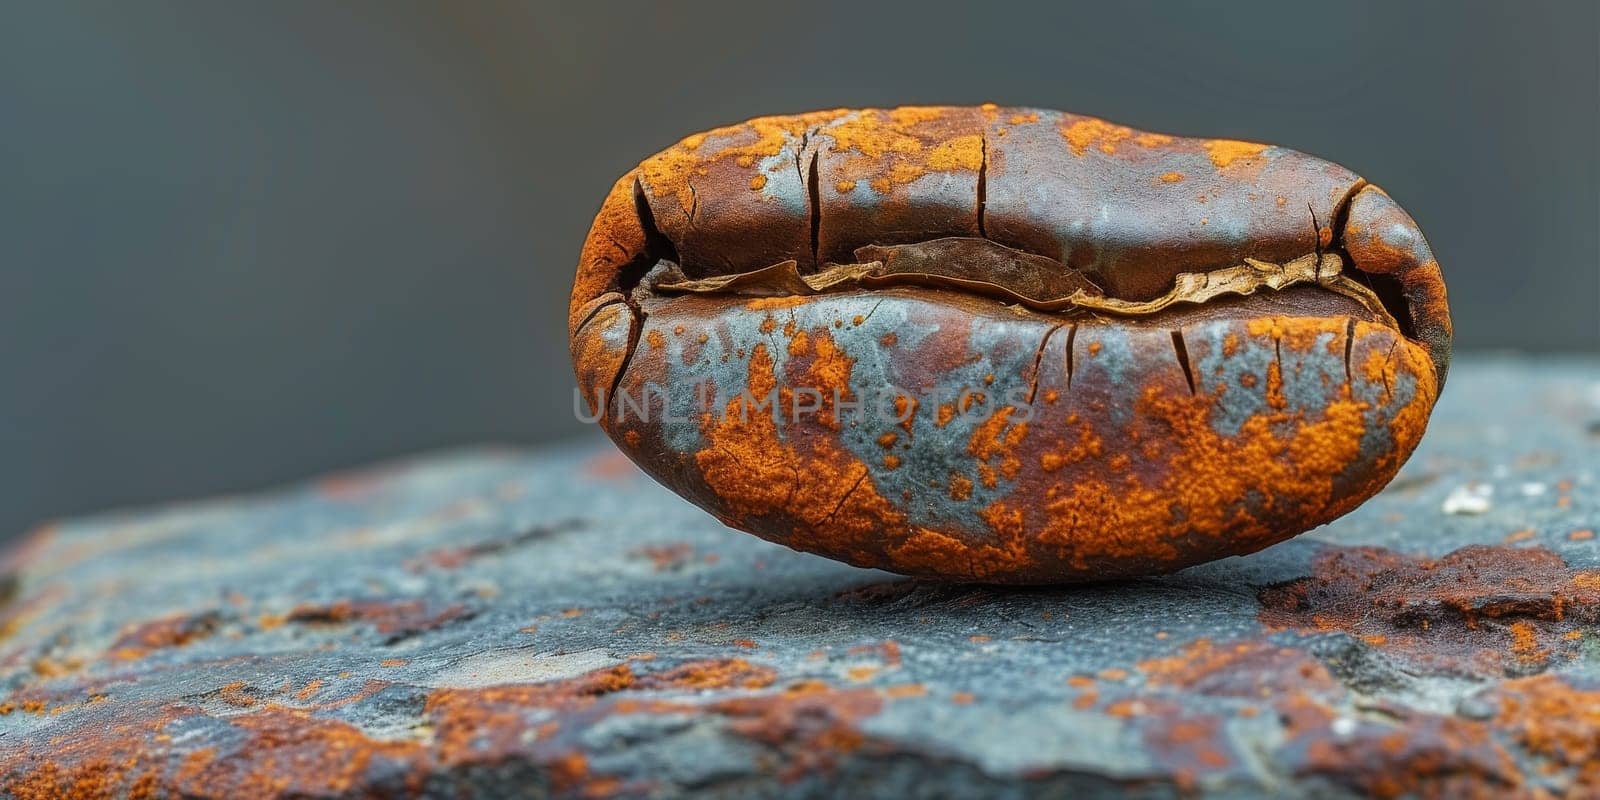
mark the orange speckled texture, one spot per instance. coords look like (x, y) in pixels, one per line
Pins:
(1102, 480)
(1124, 445)
(501, 623)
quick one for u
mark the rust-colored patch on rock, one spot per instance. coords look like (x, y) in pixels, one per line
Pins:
(457, 556)
(283, 753)
(728, 673)
(1392, 751)
(1247, 670)
(176, 630)
(1484, 610)
(1414, 754)
(1556, 721)
(278, 751)
(394, 617)
(811, 724)
(666, 556)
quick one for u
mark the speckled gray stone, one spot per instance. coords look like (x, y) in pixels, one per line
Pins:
(493, 623)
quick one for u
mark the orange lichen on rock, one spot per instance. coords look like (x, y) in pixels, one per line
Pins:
(1250, 669)
(810, 724)
(389, 616)
(330, 758)
(1191, 743)
(1486, 610)
(1525, 643)
(888, 649)
(1556, 721)
(829, 372)
(728, 673)
(1424, 755)
(177, 630)
(667, 556)
(1406, 752)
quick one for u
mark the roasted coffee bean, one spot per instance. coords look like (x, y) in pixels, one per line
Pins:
(1004, 344)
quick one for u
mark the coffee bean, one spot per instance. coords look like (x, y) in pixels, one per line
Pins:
(1007, 345)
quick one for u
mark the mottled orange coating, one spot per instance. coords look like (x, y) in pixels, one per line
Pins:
(671, 171)
(893, 147)
(1092, 522)
(1382, 239)
(890, 149)
(1083, 132)
(1224, 152)
(596, 356)
(821, 487)
(894, 176)
(616, 238)
(814, 187)
(1109, 515)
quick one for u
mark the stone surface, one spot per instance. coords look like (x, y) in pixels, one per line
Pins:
(493, 623)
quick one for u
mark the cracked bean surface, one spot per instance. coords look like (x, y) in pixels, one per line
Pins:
(1008, 345)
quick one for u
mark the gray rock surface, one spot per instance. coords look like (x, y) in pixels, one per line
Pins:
(495, 623)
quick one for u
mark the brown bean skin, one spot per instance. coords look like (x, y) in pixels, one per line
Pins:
(1150, 442)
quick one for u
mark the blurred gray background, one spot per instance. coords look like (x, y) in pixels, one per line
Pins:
(244, 243)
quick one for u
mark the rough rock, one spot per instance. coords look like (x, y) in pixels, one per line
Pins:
(494, 623)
